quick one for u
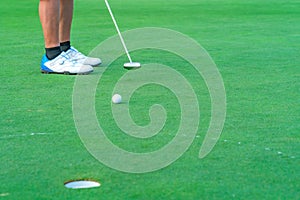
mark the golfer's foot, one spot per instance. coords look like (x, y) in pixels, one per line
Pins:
(62, 64)
(75, 55)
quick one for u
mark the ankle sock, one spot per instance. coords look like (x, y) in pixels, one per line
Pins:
(53, 52)
(65, 46)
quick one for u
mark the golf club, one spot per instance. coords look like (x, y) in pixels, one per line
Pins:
(130, 65)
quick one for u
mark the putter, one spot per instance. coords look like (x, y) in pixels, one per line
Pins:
(130, 65)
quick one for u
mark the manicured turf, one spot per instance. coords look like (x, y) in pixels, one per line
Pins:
(255, 45)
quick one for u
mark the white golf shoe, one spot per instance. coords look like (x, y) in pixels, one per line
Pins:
(62, 64)
(75, 55)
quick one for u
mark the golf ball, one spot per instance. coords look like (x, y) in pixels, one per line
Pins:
(116, 98)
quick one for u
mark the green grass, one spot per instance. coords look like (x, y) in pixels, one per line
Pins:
(255, 45)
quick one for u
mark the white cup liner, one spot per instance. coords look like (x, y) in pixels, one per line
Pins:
(81, 184)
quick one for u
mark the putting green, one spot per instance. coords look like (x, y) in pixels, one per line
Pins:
(255, 46)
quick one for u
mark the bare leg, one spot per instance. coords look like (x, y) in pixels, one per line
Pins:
(49, 17)
(65, 21)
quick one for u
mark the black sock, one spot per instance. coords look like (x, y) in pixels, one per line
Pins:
(65, 46)
(53, 52)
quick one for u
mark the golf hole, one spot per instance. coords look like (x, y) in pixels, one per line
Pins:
(81, 184)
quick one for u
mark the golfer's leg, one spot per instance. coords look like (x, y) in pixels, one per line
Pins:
(49, 17)
(66, 15)
(65, 21)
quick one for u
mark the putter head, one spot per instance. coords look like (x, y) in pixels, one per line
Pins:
(132, 65)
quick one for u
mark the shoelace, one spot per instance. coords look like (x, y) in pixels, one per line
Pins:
(76, 54)
(63, 58)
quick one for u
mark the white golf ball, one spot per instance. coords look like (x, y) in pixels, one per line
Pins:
(116, 98)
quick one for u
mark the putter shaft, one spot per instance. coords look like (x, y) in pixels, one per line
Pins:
(118, 30)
